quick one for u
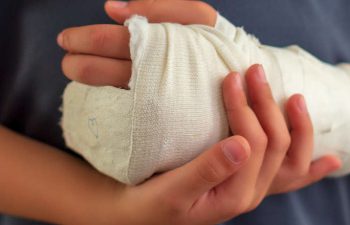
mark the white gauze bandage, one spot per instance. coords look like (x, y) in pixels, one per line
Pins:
(174, 108)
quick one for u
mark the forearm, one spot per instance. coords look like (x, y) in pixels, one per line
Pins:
(40, 182)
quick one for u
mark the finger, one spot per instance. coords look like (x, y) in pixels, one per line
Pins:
(273, 123)
(100, 40)
(183, 12)
(319, 169)
(300, 152)
(243, 122)
(210, 169)
(238, 111)
(297, 162)
(97, 71)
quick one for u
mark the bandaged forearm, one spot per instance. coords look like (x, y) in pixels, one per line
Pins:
(174, 108)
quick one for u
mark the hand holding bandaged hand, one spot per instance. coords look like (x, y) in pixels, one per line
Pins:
(175, 98)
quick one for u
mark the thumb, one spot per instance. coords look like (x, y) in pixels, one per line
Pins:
(211, 168)
(158, 11)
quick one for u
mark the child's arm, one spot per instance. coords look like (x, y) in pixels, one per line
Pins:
(40, 182)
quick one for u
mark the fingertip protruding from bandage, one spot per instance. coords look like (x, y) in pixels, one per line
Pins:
(183, 12)
(118, 10)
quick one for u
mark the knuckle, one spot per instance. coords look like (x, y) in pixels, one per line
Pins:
(83, 70)
(77, 69)
(98, 38)
(261, 102)
(261, 141)
(281, 142)
(233, 108)
(209, 171)
(286, 141)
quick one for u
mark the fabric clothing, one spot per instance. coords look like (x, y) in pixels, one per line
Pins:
(166, 119)
(31, 81)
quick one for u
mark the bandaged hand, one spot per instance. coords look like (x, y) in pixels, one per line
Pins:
(168, 160)
(104, 49)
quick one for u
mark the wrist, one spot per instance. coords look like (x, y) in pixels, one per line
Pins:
(99, 204)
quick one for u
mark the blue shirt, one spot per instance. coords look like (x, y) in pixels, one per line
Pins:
(31, 81)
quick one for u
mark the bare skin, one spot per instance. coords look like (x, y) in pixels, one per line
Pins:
(231, 178)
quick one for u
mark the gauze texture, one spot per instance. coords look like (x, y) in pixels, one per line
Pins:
(174, 108)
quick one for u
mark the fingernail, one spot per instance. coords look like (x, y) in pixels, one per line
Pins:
(301, 104)
(117, 4)
(60, 40)
(261, 74)
(237, 80)
(234, 151)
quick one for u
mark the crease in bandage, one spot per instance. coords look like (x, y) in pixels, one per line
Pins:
(138, 38)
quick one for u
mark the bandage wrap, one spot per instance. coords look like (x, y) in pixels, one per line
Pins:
(174, 108)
